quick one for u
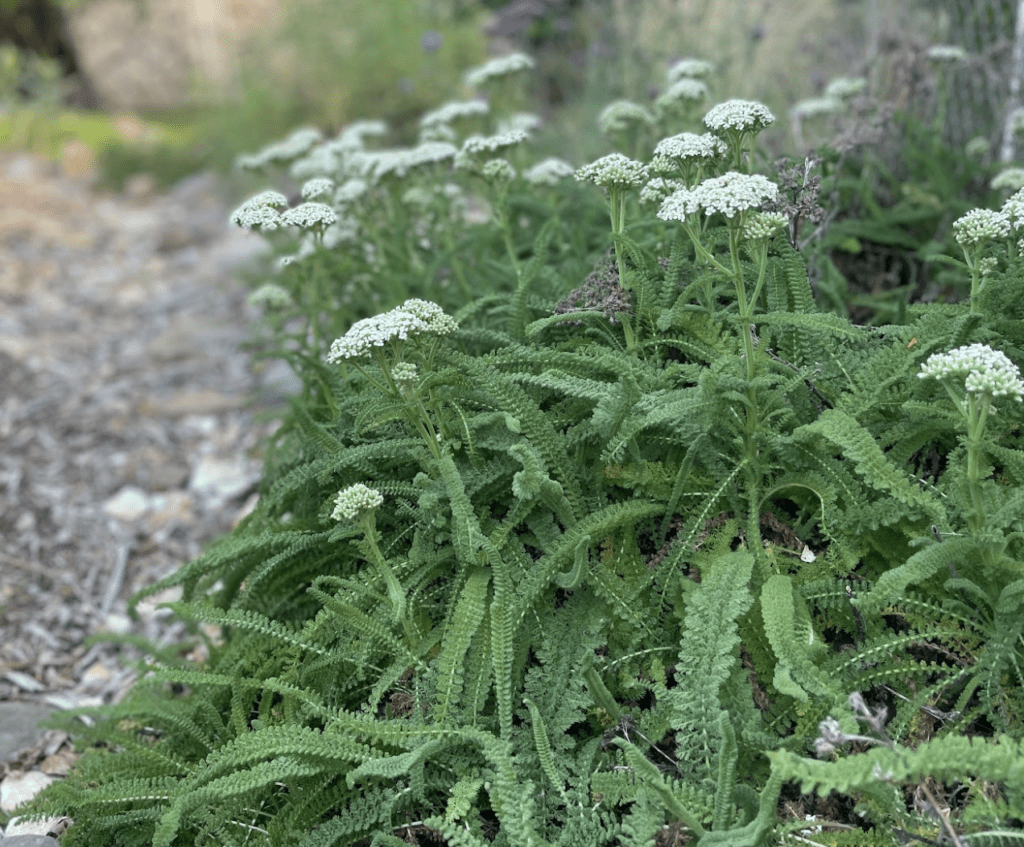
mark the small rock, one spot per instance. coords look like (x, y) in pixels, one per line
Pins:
(25, 682)
(117, 623)
(77, 161)
(96, 675)
(20, 787)
(21, 833)
(140, 187)
(29, 841)
(150, 605)
(129, 504)
(221, 479)
(129, 127)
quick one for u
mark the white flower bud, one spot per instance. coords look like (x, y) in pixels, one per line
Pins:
(354, 501)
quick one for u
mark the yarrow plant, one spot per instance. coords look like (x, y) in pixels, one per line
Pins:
(566, 546)
(738, 122)
(688, 69)
(626, 123)
(974, 232)
(688, 156)
(974, 376)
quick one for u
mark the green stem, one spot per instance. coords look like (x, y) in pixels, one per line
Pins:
(396, 594)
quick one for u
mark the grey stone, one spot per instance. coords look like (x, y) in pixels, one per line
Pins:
(19, 727)
(29, 841)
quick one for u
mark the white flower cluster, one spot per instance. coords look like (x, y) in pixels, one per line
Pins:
(815, 106)
(729, 194)
(520, 122)
(987, 371)
(454, 111)
(379, 164)
(498, 68)
(1016, 120)
(761, 226)
(353, 501)
(622, 116)
(977, 147)
(271, 296)
(309, 216)
(350, 191)
(690, 148)
(334, 158)
(498, 171)
(738, 115)
(655, 192)
(1013, 208)
(549, 171)
(413, 317)
(405, 375)
(845, 86)
(980, 226)
(258, 212)
(1012, 178)
(290, 148)
(482, 146)
(946, 53)
(478, 148)
(353, 134)
(317, 187)
(614, 171)
(679, 95)
(688, 69)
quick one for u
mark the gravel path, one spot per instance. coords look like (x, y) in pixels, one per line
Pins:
(127, 431)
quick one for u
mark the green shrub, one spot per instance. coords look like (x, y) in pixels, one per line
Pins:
(563, 544)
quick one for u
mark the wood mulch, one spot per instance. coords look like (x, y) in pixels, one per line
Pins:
(129, 428)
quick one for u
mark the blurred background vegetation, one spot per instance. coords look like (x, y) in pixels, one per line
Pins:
(328, 62)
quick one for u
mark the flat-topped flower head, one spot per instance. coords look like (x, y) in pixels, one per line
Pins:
(258, 212)
(730, 194)
(655, 192)
(270, 295)
(1015, 120)
(350, 191)
(623, 116)
(479, 145)
(979, 226)
(614, 171)
(433, 317)
(688, 148)
(520, 122)
(761, 226)
(549, 171)
(329, 159)
(355, 501)
(947, 53)
(499, 68)
(309, 216)
(816, 106)
(1012, 178)
(1013, 208)
(985, 371)
(405, 375)
(413, 317)
(688, 69)
(356, 131)
(739, 116)
(295, 145)
(478, 149)
(454, 111)
(845, 86)
(680, 96)
(498, 171)
(319, 186)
